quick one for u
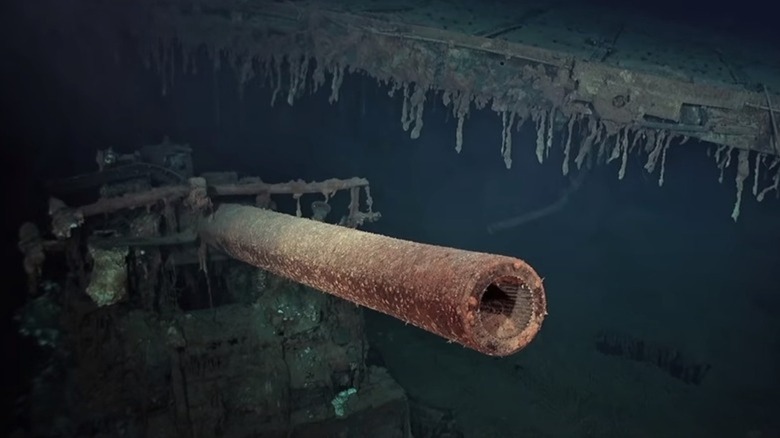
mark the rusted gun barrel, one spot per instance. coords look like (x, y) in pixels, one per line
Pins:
(491, 303)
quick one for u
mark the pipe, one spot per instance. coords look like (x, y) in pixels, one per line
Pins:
(490, 303)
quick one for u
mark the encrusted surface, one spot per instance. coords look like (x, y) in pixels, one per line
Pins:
(438, 289)
(593, 91)
(550, 58)
(614, 82)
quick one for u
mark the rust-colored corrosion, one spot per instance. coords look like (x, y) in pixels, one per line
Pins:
(491, 303)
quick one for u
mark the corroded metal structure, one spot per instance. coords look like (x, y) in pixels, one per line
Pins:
(422, 56)
(594, 83)
(491, 303)
(163, 339)
(585, 85)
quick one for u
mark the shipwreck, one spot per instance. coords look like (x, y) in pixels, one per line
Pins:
(195, 296)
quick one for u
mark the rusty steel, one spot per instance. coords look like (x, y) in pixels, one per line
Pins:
(491, 303)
